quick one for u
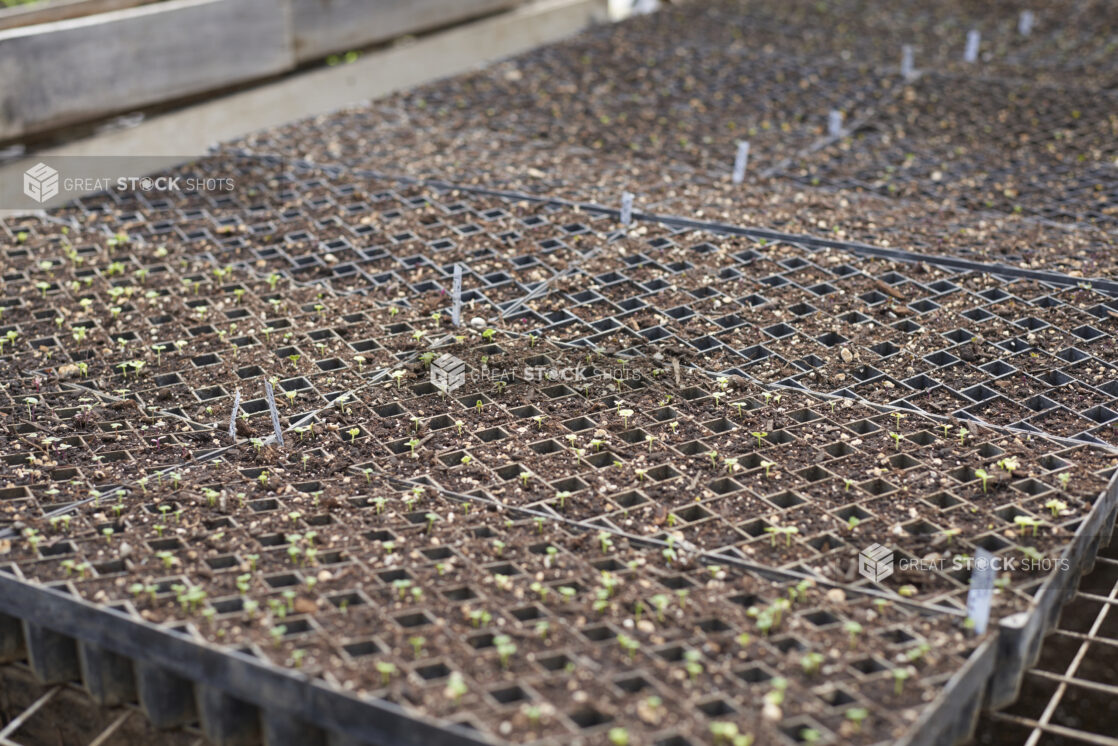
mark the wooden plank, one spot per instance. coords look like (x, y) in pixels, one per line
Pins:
(323, 27)
(173, 136)
(71, 71)
(60, 10)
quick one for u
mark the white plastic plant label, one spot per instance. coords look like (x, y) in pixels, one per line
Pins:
(741, 161)
(456, 293)
(233, 415)
(626, 208)
(981, 593)
(275, 414)
(974, 39)
(908, 68)
(834, 123)
(1025, 22)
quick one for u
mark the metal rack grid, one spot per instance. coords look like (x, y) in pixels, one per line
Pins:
(32, 714)
(1068, 696)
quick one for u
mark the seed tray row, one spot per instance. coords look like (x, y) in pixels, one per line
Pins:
(520, 629)
(729, 339)
(883, 337)
(474, 447)
(937, 141)
(1065, 46)
(603, 72)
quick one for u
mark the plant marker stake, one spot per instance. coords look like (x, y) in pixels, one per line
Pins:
(626, 208)
(275, 415)
(456, 292)
(233, 416)
(1025, 22)
(981, 590)
(907, 67)
(974, 38)
(834, 123)
(741, 161)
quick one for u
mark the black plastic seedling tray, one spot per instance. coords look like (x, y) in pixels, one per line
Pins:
(238, 696)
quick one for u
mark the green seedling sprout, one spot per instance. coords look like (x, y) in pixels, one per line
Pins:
(431, 518)
(618, 737)
(398, 375)
(713, 456)
(691, 664)
(853, 629)
(897, 438)
(786, 531)
(455, 687)
(277, 634)
(1009, 464)
(506, 648)
(731, 464)
(386, 670)
(628, 644)
(981, 474)
(856, 715)
(625, 415)
(417, 642)
(466, 459)
(1056, 506)
(811, 663)
(963, 433)
(900, 675)
(760, 437)
(766, 465)
(1025, 522)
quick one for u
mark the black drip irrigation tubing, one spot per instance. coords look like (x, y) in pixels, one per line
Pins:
(1109, 287)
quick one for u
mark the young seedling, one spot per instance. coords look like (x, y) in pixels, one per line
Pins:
(897, 438)
(760, 437)
(506, 648)
(628, 644)
(1056, 506)
(981, 474)
(856, 715)
(417, 642)
(811, 663)
(1025, 522)
(625, 415)
(963, 433)
(691, 664)
(786, 531)
(766, 465)
(618, 737)
(853, 629)
(900, 675)
(386, 670)
(455, 687)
